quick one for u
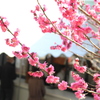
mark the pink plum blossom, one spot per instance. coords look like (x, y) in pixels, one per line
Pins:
(24, 54)
(76, 77)
(63, 49)
(33, 54)
(4, 25)
(96, 78)
(20, 54)
(37, 8)
(42, 65)
(98, 90)
(50, 79)
(81, 69)
(79, 94)
(30, 73)
(56, 79)
(96, 96)
(7, 41)
(25, 49)
(17, 54)
(79, 85)
(44, 8)
(50, 70)
(97, 7)
(12, 42)
(34, 61)
(16, 32)
(62, 86)
(37, 74)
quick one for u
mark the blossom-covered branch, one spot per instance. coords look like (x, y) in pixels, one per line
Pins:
(76, 32)
(58, 32)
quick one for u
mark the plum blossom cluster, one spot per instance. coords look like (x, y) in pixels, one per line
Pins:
(45, 25)
(97, 96)
(33, 59)
(79, 83)
(3, 24)
(77, 30)
(67, 45)
(95, 9)
(80, 94)
(81, 69)
(14, 41)
(56, 80)
(36, 74)
(96, 78)
(63, 85)
(74, 30)
(69, 10)
(4, 27)
(23, 53)
(79, 86)
(52, 79)
(76, 77)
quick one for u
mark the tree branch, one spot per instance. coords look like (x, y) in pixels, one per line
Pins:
(83, 11)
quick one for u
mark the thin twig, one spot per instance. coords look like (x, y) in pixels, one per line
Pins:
(90, 41)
